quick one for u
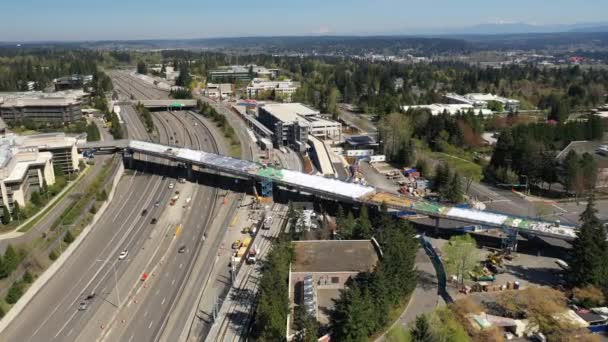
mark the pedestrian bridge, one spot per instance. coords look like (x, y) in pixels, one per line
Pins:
(338, 190)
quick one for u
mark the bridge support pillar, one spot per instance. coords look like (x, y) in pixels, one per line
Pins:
(189, 170)
(436, 225)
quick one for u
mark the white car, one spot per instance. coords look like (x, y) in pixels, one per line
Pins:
(171, 185)
(123, 255)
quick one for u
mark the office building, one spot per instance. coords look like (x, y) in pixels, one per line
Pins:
(62, 147)
(48, 110)
(219, 91)
(291, 124)
(72, 82)
(242, 72)
(280, 89)
(23, 170)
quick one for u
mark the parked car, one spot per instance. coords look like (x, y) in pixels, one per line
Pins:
(236, 244)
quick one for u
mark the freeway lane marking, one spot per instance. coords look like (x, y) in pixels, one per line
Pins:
(173, 282)
(163, 302)
(150, 325)
(99, 270)
(560, 208)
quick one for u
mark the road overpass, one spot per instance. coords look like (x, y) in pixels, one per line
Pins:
(334, 189)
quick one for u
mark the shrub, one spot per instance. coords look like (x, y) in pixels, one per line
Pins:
(14, 293)
(27, 277)
(53, 255)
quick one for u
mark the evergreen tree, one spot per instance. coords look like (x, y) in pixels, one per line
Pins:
(6, 216)
(348, 227)
(363, 228)
(306, 325)
(454, 192)
(11, 259)
(421, 331)
(3, 271)
(589, 255)
(17, 212)
(36, 199)
(352, 316)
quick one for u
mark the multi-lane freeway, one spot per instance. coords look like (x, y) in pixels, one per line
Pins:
(139, 221)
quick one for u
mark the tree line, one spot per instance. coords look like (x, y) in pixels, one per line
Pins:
(529, 152)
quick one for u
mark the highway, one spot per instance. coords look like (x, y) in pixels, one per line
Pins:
(95, 268)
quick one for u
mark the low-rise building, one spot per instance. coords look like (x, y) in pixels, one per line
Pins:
(55, 110)
(23, 170)
(280, 89)
(599, 151)
(480, 101)
(242, 72)
(291, 124)
(321, 269)
(451, 109)
(72, 82)
(219, 91)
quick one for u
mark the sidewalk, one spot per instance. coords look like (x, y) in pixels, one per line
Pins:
(44, 210)
(425, 297)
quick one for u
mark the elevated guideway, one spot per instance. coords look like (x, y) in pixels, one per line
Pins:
(342, 191)
(168, 105)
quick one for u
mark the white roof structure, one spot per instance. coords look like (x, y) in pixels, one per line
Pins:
(489, 97)
(290, 112)
(262, 84)
(452, 109)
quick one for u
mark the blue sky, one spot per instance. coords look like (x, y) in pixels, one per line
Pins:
(26, 20)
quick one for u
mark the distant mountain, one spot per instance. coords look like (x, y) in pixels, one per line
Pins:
(515, 28)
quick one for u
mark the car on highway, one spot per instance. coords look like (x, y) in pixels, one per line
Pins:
(182, 249)
(90, 296)
(153, 221)
(144, 212)
(171, 185)
(182, 180)
(82, 306)
(123, 255)
(157, 204)
(196, 124)
(236, 244)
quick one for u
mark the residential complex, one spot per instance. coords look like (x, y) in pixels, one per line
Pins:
(291, 124)
(242, 72)
(281, 89)
(219, 91)
(480, 101)
(23, 170)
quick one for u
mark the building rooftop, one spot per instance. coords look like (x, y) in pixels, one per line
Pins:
(334, 256)
(452, 109)
(37, 102)
(361, 140)
(261, 83)
(76, 94)
(591, 147)
(290, 112)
